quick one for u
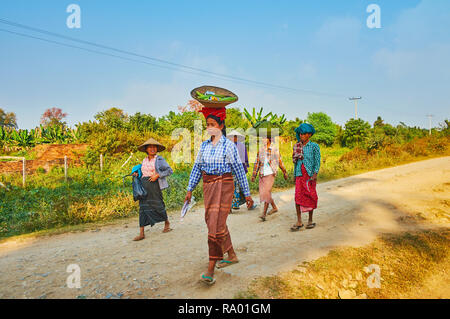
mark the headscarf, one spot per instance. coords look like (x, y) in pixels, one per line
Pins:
(217, 114)
(221, 113)
(303, 129)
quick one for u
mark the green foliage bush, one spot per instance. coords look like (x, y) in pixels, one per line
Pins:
(91, 196)
(325, 128)
(356, 133)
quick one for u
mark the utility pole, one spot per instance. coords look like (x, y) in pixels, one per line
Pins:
(356, 105)
(429, 118)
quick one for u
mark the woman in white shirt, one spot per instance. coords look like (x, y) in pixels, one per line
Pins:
(267, 162)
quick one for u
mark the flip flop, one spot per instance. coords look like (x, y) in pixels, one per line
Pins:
(225, 263)
(167, 230)
(263, 218)
(296, 227)
(207, 279)
(311, 226)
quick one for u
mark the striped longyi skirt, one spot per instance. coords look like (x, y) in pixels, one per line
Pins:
(218, 193)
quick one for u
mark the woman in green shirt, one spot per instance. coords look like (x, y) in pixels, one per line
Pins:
(306, 156)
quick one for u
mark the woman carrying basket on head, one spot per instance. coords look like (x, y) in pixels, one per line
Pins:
(217, 159)
(154, 170)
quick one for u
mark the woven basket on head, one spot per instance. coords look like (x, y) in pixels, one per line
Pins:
(217, 91)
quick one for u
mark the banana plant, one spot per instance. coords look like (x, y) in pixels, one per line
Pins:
(267, 121)
(53, 134)
(256, 119)
(4, 134)
(76, 134)
(22, 138)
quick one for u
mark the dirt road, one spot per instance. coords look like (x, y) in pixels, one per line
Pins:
(352, 211)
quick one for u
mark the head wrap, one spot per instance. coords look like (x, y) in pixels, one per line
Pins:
(221, 113)
(303, 129)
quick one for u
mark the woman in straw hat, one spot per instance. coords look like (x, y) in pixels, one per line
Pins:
(216, 160)
(306, 157)
(155, 170)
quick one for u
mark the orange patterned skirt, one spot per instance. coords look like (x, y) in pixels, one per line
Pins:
(218, 194)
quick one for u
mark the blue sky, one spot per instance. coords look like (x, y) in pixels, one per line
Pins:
(402, 70)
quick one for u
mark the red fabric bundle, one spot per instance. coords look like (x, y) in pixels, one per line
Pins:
(219, 112)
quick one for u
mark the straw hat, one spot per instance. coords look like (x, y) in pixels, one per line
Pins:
(151, 141)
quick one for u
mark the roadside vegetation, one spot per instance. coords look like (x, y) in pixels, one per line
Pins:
(411, 265)
(48, 201)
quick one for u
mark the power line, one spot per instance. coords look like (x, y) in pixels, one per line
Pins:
(111, 55)
(231, 77)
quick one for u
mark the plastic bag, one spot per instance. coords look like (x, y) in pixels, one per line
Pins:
(139, 192)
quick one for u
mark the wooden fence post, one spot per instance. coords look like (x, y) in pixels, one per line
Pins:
(65, 168)
(24, 172)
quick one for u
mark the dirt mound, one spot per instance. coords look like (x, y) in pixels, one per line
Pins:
(47, 156)
(54, 152)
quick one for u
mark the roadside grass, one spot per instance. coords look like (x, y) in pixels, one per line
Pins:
(412, 265)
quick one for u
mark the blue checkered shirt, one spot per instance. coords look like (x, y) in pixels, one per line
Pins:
(218, 160)
(311, 159)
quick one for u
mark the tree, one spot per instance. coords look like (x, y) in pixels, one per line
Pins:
(112, 118)
(168, 123)
(325, 128)
(52, 117)
(8, 119)
(445, 127)
(379, 122)
(290, 126)
(142, 122)
(192, 106)
(356, 132)
(236, 119)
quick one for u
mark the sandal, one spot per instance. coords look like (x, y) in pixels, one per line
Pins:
(167, 230)
(207, 279)
(311, 226)
(263, 218)
(296, 227)
(225, 263)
